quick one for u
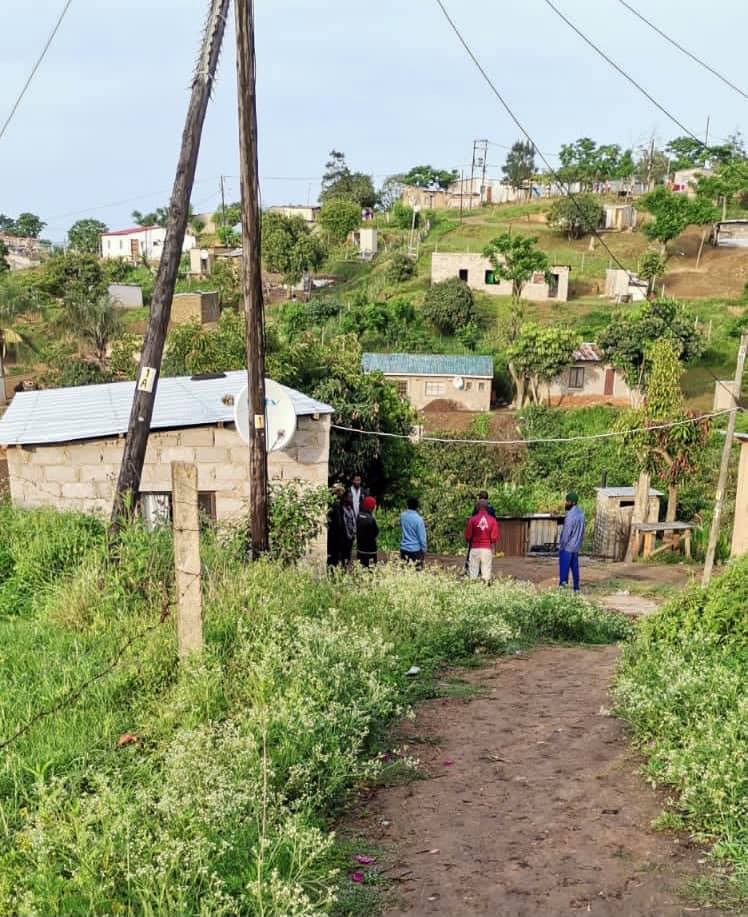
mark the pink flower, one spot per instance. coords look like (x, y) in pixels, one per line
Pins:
(357, 877)
(363, 859)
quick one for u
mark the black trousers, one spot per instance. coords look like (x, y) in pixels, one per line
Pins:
(413, 557)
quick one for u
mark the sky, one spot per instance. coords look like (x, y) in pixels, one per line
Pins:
(387, 83)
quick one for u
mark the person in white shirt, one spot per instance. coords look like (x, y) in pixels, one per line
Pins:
(357, 493)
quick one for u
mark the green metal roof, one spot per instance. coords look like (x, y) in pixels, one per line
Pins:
(427, 364)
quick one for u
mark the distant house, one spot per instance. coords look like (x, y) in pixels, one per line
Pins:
(138, 243)
(623, 286)
(619, 216)
(590, 378)
(479, 274)
(684, 180)
(307, 213)
(730, 234)
(425, 378)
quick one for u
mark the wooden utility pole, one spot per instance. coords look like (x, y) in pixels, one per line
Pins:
(719, 498)
(223, 208)
(252, 275)
(139, 427)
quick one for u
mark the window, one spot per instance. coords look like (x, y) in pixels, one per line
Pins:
(491, 278)
(206, 505)
(468, 386)
(481, 386)
(434, 388)
(155, 509)
(402, 387)
(576, 377)
(121, 244)
(463, 274)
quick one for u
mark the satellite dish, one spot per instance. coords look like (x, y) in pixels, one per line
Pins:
(458, 382)
(280, 416)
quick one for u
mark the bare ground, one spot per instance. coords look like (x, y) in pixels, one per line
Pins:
(532, 806)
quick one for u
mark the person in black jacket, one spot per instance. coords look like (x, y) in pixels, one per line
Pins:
(336, 535)
(366, 533)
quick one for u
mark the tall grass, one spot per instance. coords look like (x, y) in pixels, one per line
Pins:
(208, 789)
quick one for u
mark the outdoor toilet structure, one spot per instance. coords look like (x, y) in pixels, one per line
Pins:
(613, 513)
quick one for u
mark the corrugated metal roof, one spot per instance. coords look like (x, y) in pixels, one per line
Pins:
(625, 492)
(587, 353)
(427, 364)
(131, 231)
(61, 415)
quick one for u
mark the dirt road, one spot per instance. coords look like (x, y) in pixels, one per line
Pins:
(535, 808)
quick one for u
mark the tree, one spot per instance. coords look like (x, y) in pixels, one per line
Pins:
(339, 181)
(227, 219)
(669, 453)
(672, 214)
(195, 348)
(652, 166)
(28, 225)
(226, 278)
(85, 236)
(157, 217)
(703, 214)
(402, 215)
(391, 191)
(652, 265)
(589, 164)
(96, 319)
(15, 302)
(514, 257)
(577, 216)
(627, 338)
(67, 272)
(429, 178)
(289, 246)
(731, 179)
(449, 305)
(520, 164)
(7, 224)
(338, 216)
(4, 263)
(400, 269)
(538, 355)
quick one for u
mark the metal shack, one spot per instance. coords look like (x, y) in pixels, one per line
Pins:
(522, 535)
(613, 512)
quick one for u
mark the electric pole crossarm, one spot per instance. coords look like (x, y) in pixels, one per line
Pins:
(128, 484)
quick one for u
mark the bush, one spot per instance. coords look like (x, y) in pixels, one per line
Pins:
(339, 216)
(577, 216)
(402, 215)
(400, 269)
(449, 305)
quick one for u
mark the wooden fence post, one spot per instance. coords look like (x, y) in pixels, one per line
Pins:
(640, 514)
(187, 558)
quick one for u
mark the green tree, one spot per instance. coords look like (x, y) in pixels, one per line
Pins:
(402, 215)
(672, 214)
(703, 214)
(515, 257)
(7, 224)
(430, 178)
(669, 453)
(626, 340)
(225, 277)
(339, 181)
(195, 348)
(651, 267)
(157, 217)
(95, 319)
(731, 179)
(577, 216)
(85, 236)
(400, 269)
(391, 191)
(449, 305)
(4, 263)
(591, 165)
(28, 225)
(652, 166)
(16, 302)
(537, 356)
(338, 216)
(65, 272)
(290, 247)
(520, 164)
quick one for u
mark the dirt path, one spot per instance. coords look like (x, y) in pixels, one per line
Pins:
(536, 809)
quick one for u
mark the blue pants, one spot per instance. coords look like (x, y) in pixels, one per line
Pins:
(568, 561)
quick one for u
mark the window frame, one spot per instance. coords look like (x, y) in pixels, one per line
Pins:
(576, 378)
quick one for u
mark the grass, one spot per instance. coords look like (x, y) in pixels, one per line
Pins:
(221, 802)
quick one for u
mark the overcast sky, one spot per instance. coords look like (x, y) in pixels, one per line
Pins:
(386, 82)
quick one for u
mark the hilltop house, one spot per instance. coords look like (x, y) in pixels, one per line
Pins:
(138, 243)
(64, 446)
(591, 379)
(479, 274)
(308, 213)
(465, 381)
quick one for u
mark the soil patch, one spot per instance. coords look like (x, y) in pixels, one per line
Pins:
(533, 806)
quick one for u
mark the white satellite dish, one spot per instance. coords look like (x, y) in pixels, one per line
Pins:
(280, 416)
(458, 382)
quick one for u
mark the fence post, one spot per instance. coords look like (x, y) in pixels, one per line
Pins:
(640, 514)
(187, 558)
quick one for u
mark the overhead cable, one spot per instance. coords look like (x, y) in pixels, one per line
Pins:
(34, 69)
(683, 50)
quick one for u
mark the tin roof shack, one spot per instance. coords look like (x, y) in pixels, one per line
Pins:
(619, 216)
(534, 534)
(423, 378)
(64, 446)
(730, 234)
(479, 274)
(589, 379)
(613, 513)
(202, 307)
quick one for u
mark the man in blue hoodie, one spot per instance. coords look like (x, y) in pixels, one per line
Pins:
(413, 539)
(572, 535)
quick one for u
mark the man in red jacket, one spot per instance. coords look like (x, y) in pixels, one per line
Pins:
(481, 534)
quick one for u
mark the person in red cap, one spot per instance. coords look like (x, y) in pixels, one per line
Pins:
(366, 533)
(481, 534)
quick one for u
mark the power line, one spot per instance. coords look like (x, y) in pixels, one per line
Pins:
(539, 441)
(34, 69)
(507, 108)
(619, 69)
(683, 50)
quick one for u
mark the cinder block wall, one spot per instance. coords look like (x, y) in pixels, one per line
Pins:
(82, 475)
(473, 400)
(194, 307)
(445, 265)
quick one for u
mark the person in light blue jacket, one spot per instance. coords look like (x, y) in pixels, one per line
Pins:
(572, 535)
(413, 542)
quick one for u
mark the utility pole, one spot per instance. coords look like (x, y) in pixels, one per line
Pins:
(650, 164)
(223, 207)
(719, 498)
(139, 426)
(706, 132)
(480, 157)
(462, 190)
(252, 275)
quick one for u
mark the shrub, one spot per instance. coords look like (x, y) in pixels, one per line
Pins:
(577, 216)
(400, 269)
(449, 305)
(402, 215)
(339, 216)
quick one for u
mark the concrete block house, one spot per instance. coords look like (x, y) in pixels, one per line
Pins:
(463, 380)
(64, 446)
(479, 274)
(590, 380)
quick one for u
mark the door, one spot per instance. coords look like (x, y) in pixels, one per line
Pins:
(610, 380)
(134, 250)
